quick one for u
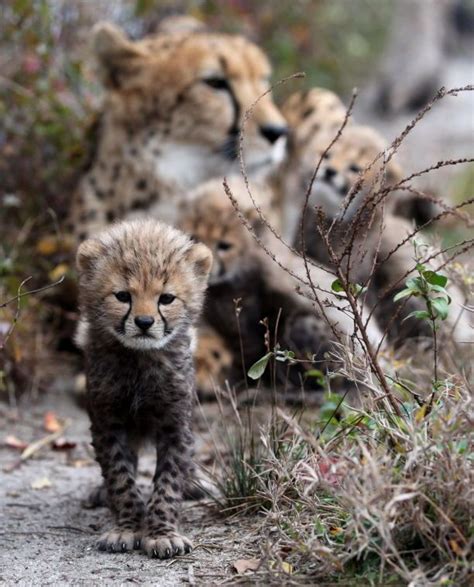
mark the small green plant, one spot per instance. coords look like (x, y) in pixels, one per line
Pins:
(259, 367)
(430, 286)
(354, 288)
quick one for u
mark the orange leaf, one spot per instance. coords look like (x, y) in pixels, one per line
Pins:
(14, 442)
(51, 423)
(455, 548)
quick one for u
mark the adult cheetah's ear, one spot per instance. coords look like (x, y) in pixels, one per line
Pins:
(201, 258)
(116, 54)
(88, 253)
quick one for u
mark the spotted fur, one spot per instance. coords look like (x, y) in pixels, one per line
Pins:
(213, 361)
(173, 109)
(315, 118)
(142, 287)
(248, 294)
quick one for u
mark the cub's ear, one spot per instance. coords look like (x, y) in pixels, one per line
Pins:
(201, 258)
(88, 253)
(115, 53)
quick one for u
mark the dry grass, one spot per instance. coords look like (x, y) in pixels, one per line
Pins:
(357, 492)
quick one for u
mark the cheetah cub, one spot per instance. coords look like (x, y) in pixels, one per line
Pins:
(141, 289)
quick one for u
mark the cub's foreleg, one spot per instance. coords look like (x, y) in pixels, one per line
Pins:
(161, 538)
(118, 461)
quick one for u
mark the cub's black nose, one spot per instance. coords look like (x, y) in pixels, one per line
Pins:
(144, 322)
(272, 132)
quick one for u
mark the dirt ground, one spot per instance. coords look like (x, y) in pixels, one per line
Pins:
(47, 537)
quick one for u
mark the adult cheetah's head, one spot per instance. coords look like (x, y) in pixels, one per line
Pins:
(193, 88)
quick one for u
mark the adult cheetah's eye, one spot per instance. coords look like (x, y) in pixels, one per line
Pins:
(224, 245)
(123, 296)
(166, 299)
(355, 168)
(217, 83)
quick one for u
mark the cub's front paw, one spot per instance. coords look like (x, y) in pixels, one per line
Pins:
(166, 545)
(119, 540)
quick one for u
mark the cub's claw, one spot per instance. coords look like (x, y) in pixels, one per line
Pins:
(166, 546)
(118, 540)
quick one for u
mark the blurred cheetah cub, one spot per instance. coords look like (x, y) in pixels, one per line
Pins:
(141, 289)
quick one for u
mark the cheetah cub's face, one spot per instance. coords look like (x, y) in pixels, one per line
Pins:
(211, 219)
(142, 282)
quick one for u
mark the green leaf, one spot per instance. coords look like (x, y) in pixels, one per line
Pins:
(402, 294)
(356, 289)
(435, 278)
(337, 286)
(462, 446)
(441, 290)
(440, 307)
(315, 374)
(420, 314)
(258, 368)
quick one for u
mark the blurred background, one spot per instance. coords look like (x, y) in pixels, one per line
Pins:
(397, 53)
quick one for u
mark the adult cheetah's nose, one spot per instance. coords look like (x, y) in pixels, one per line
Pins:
(272, 132)
(144, 322)
(329, 173)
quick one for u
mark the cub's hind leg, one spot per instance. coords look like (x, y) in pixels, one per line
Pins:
(118, 461)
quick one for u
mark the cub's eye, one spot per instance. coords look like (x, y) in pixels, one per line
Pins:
(355, 168)
(224, 245)
(217, 83)
(166, 299)
(123, 296)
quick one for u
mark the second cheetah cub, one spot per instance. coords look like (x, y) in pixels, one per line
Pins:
(141, 288)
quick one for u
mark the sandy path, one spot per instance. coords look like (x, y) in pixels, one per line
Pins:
(47, 538)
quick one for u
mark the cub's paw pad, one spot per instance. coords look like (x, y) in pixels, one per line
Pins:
(166, 545)
(119, 540)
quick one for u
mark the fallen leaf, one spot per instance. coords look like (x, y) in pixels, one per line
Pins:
(79, 463)
(51, 423)
(47, 245)
(14, 442)
(59, 271)
(285, 567)
(41, 483)
(242, 565)
(63, 444)
(456, 548)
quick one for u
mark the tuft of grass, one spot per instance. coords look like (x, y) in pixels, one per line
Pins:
(360, 494)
